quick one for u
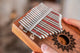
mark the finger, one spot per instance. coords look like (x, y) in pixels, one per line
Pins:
(47, 49)
(33, 52)
(72, 22)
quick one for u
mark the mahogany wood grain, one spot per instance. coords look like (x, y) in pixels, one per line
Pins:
(36, 43)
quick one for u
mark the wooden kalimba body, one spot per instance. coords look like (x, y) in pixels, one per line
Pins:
(65, 41)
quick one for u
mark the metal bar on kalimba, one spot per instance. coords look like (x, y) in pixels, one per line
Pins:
(36, 35)
(35, 24)
(23, 25)
(40, 32)
(52, 27)
(31, 17)
(27, 21)
(53, 22)
(47, 26)
(44, 27)
(38, 17)
(43, 32)
(54, 16)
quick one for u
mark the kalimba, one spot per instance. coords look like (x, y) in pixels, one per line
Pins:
(42, 25)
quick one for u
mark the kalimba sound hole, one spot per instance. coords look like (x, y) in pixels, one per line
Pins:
(63, 40)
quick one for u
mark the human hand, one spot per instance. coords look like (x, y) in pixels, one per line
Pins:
(46, 49)
(73, 22)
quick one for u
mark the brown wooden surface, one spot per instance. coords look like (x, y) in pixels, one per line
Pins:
(36, 43)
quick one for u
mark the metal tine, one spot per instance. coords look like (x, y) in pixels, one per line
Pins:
(37, 16)
(41, 9)
(40, 32)
(32, 20)
(48, 30)
(52, 22)
(31, 14)
(34, 11)
(27, 16)
(40, 15)
(31, 17)
(34, 25)
(23, 25)
(44, 10)
(43, 32)
(36, 20)
(36, 35)
(43, 37)
(48, 26)
(44, 27)
(27, 21)
(55, 17)
(39, 12)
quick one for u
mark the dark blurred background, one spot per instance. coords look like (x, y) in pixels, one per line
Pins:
(12, 9)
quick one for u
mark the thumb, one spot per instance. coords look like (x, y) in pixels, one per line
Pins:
(47, 49)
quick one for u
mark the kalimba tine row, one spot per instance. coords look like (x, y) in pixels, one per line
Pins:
(43, 25)
(40, 20)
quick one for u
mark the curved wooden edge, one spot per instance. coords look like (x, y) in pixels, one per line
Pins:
(26, 39)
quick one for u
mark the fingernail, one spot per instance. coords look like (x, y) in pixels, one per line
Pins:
(44, 47)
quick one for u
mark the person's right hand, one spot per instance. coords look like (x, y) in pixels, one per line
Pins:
(72, 22)
(46, 49)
